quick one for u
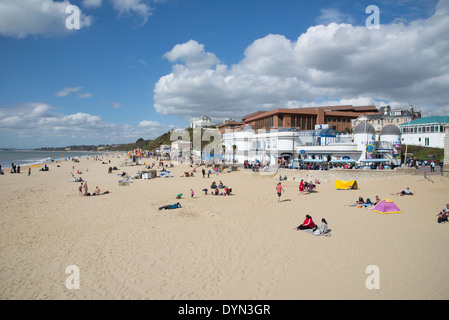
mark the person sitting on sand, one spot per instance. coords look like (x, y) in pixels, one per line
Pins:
(227, 191)
(97, 191)
(377, 200)
(216, 192)
(220, 186)
(307, 224)
(360, 201)
(213, 185)
(444, 214)
(323, 229)
(179, 196)
(171, 206)
(405, 192)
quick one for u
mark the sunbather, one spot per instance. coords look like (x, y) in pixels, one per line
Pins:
(405, 192)
(171, 206)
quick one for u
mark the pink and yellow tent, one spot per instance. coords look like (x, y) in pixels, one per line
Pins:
(386, 206)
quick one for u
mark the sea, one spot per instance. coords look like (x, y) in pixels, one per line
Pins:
(29, 157)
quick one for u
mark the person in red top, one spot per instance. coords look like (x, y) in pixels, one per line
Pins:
(279, 190)
(301, 186)
(307, 224)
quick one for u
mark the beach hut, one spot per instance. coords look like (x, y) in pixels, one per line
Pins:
(346, 185)
(386, 206)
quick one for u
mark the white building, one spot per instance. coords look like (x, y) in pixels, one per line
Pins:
(180, 151)
(426, 131)
(203, 122)
(277, 147)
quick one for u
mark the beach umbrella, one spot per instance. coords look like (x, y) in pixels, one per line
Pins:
(386, 206)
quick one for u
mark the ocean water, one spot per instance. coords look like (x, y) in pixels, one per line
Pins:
(28, 157)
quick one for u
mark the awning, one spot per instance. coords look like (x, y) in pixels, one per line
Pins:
(314, 160)
(342, 161)
(375, 160)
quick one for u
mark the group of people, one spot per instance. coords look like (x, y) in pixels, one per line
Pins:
(309, 224)
(306, 187)
(368, 201)
(83, 190)
(216, 189)
(444, 214)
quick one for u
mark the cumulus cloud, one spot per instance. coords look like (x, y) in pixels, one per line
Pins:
(129, 7)
(37, 18)
(328, 64)
(38, 124)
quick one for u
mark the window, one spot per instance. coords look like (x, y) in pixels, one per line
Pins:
(427, 142)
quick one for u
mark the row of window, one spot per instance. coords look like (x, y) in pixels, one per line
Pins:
(423, 129)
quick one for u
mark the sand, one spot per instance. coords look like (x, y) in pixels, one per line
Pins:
(215, 247)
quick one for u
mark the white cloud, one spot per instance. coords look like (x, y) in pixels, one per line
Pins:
(192, 54)
(329, 15)
(38, 124)
(129, 7)
(67, 91)
(147, 123)
(31, 17)
(325, 65)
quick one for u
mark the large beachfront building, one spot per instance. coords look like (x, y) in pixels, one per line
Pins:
(320, 145)
(426, 131)
(338, 118)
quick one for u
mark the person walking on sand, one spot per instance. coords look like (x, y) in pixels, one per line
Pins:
(279, 191)
(80, 189)
(192, 193)
(29, 171)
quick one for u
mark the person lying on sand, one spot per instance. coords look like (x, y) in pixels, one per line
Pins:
(171, 206)
(405, 192)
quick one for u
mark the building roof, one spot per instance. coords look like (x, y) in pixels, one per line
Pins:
(349, 111)
(390, 129)
(427, 120)
(364, 128)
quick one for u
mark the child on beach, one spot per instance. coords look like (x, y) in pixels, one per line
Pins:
(192, 193)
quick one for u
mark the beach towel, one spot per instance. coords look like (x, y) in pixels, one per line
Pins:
(310, 231)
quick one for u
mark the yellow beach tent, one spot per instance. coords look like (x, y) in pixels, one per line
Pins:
(346, 185)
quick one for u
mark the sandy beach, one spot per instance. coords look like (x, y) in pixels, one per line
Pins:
(243, 246)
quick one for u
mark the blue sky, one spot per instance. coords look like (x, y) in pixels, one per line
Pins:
(137, 68)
